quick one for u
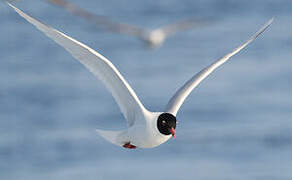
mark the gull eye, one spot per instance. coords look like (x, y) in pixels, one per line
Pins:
(163, 122)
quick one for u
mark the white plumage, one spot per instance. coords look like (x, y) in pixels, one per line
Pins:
(142, 124)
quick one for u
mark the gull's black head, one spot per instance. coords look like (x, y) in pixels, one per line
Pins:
(166, 124)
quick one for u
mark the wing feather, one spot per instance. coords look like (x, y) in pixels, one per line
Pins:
(177, 100)
(182, 25)
(101, 67)
(102, 22)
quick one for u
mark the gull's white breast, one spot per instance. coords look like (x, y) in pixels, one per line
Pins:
(145, 134)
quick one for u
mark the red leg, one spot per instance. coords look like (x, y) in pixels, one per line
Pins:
(129, 146)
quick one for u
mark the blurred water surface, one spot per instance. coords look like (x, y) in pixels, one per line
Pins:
(236, 125)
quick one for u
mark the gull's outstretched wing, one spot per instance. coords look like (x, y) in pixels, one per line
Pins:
(102, 22)
(177, 100)
(98, 65)
(181, 25)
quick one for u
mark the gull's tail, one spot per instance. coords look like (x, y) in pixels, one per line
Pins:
(116, 137)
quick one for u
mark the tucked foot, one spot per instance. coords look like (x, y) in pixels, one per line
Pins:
(129, 146)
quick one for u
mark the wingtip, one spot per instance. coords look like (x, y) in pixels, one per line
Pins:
(268, 23)
(264, 27)
(271, 20)
(9, 4)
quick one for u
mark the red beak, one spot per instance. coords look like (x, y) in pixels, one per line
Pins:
(172, 131)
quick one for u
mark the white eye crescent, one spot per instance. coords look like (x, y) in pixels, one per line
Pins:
(163, 122)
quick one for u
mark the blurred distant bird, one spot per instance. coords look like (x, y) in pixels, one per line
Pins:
(153, 38)
(145, 129)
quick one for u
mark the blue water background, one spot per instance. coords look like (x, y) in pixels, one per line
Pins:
(236, 125)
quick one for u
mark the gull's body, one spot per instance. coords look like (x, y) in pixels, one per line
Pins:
(145, 129)
(143, 133)
(152, 38)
